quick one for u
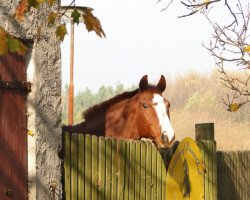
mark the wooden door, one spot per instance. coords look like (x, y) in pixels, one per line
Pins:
(13, 128)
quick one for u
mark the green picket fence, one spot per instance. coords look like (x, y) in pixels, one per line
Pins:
(234, 175)
(105, 168)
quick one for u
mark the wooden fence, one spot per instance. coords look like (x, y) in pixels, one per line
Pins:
(234, 175)
(103, 168)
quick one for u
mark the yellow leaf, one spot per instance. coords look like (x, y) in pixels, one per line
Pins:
(233, 107)
(247, 49)
(52, 18)
(61, 31)
(30, 133)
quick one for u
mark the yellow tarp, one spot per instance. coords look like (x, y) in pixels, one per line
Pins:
(185, 176)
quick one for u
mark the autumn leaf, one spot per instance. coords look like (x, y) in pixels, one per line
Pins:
(30, 133)
(51, 2)
(24, 6)
(61, 31)
(3, 43)
(92, 23)
(52, 18)
(233, 107)
(247, 49)
(33, 3)
(21, 9)
(75, 15)
(16, 46)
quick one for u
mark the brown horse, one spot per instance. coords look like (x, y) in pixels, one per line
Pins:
(142, 113)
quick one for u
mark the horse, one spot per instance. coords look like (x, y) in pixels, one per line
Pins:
(137, 114)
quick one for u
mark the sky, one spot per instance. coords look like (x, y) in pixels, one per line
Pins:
(140, 40)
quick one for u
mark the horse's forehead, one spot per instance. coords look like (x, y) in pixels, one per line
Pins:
(150, 95)
(157, 98)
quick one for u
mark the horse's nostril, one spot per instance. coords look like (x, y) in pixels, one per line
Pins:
(164, 138)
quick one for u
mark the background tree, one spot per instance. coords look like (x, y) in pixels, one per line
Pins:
(229, 44)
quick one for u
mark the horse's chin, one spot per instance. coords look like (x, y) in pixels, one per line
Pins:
(160, 145)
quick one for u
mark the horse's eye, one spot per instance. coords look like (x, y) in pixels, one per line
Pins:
(145, 105)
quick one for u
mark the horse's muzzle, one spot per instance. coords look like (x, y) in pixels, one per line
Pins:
(165, 140)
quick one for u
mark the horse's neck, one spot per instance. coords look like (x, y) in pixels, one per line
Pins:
(121, 118)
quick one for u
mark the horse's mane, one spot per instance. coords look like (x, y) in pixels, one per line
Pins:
(102, 107)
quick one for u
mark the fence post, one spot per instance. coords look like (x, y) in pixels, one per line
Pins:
(204, 135)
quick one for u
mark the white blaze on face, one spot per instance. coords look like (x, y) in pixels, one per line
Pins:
(164, 121)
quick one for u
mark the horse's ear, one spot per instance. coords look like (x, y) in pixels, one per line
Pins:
(143, 82)
(162, 83)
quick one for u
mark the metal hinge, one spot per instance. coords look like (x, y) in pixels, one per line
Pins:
(24, 85)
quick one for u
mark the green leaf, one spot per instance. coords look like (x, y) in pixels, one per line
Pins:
(33, 3)
(16, 46)
(13, 44)
(75, 15)
(61, 31)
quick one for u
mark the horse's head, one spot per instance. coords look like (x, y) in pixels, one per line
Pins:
(153, 113)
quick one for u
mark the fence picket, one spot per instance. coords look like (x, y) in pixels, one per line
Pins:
(88, 167)
(108, 168)
(132, 173)
(101, 169)
(148, 170)
(121, 168)
(137, 169)
(94, 164)
(81, 166)
(74, 166)
(67, 177)
(114, 170)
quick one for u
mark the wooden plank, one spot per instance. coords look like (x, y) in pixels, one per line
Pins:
(66, 164)
(81, 166)
(210, 165)
(94, 165)
(108, 168)
(88, 166)
(202, 150)
(114, 170)
(143, 171)
(154, 173)
(215, 168)
(127, 169)
(158, 175)
(226, 185)
(132, 174)
(148, 170)
(137, 169)
(74, 166)
(121, 168)
(101, 169)
(163, 175)
(219, 183)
